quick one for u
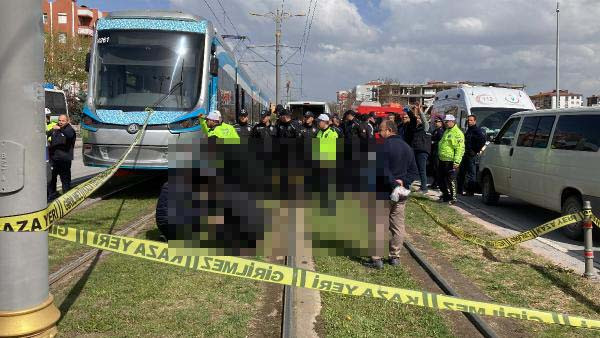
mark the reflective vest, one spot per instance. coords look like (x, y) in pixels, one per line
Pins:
(49, 127)
(452, 145)
(223, 130)
(328, 133)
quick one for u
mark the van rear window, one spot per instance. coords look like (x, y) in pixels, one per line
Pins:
(577, 132)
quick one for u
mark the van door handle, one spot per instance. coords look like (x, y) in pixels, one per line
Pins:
(512, 150)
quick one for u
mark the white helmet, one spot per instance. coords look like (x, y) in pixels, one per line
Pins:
(214, 115)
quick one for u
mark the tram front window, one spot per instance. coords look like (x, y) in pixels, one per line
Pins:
(136, 69)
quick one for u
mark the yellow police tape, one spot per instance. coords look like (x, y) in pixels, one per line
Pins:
(512, 240)
(273, 273)
(57, 209)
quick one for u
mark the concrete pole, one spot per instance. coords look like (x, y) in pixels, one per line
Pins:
(557, 55)
(588, 242)
(26, 307)
(278, 18)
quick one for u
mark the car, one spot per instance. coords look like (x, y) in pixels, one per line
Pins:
(548, 158)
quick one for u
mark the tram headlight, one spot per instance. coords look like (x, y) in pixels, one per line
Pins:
(183, 125)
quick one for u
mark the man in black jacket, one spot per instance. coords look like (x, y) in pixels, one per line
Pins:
(436, 136)
(420, 142)
(62, 142)
(308, 130)
(350, 126)
(263, 130)
(399, 169)
(286, 127)
(367, 130)
(474, 142)
(242, 127)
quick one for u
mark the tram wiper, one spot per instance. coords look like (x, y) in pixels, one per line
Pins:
(159, 102)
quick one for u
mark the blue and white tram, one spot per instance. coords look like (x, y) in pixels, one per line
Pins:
(139, 58)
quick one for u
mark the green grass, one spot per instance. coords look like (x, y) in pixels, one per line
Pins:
(103, 216)
(513, 276)
(348, 316)
(126, 297)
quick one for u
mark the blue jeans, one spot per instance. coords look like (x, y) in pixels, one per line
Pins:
(421, 158)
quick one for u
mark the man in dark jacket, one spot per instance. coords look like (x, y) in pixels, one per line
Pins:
(263, 130)
(286, 127)
(474, 142)
(366, 129)
(308, 130)
(62, 142)
(436, 136)
(350, 126)
(399, 169)
(420, 142)
(242, 127)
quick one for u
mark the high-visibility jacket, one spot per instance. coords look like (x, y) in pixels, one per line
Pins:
(326, 142)
(452, 145)
(49, 127)
(327, 133)
(223, 130)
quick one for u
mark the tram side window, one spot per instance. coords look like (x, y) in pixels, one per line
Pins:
(226, 97)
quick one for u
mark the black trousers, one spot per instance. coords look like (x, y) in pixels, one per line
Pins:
(62, 169)
(467, 175)
(447, 180)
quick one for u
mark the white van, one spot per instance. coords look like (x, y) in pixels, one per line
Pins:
(56, 101)
(298, 108)
(548, 158)
(492, 105)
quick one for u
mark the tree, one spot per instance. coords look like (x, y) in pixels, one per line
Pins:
(64, 66)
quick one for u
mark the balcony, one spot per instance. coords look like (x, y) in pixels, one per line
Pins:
(85, 12)
(85, 31)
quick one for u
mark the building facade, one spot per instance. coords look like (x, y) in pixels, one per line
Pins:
(547, 100)
(67, 19)
(593, 100)
(368, 91)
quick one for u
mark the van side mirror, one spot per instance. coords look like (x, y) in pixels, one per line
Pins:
(214, 66)
(88, 57)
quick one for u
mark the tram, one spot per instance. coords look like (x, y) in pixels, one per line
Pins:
(176, 63)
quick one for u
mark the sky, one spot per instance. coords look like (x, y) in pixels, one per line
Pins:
(412, 41)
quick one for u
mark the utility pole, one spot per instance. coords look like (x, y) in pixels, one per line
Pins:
(26, 306)
(557, 55)
(278, 17)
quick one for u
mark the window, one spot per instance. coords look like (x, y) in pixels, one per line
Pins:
(507, 133)
(44, 18)
(577, 132)
(535, 131)
(62, 37)
(62, 18)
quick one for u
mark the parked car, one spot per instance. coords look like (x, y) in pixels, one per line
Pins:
(548, 158)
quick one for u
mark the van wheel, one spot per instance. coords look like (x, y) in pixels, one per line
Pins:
(489, 195)
(571, 205)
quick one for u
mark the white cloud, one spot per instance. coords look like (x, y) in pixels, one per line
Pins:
(415, 40)
(467, 25)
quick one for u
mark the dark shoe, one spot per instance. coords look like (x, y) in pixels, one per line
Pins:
(469, 194)
(443, 199)
(375, 264)
(394, 261)
(433, 186)
(452, 202)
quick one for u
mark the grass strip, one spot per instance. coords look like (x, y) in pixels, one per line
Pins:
(512, 276)
(346, 316)
(125, 297)
(113, 213)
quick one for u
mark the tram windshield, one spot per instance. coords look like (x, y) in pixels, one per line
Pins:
(136, 69)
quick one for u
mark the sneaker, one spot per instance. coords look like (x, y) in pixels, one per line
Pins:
(375, 264)
(394, 261)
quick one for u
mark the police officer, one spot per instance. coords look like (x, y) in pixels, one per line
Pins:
(351, 126)
(308, 129)
(214, 126)
(61, 154)
(242, 127)
(49, 124)
(286, 127)
(336, 125)
(264, 129)
(367, 130)
(450, 152)
(325, 130)
(474, 142)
